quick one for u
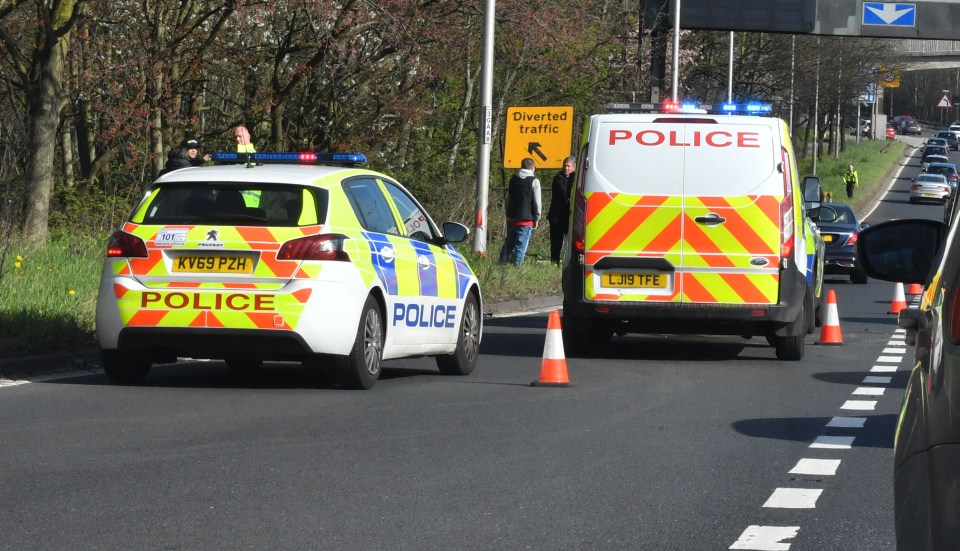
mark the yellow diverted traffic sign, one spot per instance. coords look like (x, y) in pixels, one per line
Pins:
(542, 133)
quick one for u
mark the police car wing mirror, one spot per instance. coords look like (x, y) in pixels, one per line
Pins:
(455, 232)
(812, 192)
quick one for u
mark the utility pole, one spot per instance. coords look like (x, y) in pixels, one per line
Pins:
(485, 130)
(676, 49)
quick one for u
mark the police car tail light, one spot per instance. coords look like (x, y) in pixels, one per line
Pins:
(786, 207)
(315, 247)
(123, 244)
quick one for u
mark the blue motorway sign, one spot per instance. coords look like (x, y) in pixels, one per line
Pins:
(889, 15)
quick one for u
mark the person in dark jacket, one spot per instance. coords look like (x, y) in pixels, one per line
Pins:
(192, 147)
(176, 159)
(559, 213)
(523, 213)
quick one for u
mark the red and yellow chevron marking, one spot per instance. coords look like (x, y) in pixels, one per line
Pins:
(241, 310)
(665, 227)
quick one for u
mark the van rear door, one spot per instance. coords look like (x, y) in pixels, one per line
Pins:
(684, 209)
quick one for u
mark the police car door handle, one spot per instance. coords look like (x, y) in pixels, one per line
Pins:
(711, 219)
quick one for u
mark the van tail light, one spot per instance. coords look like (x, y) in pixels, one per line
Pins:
(852, 240)
(786, 207)
(123, 244)
(327, 246)
(577, 236)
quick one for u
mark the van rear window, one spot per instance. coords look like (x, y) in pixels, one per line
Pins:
(196, 203)
(667, 158)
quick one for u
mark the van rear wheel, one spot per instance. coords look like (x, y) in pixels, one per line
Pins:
(789, 348)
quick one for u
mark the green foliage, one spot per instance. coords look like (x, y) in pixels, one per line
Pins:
(48, 295)
(872, 160)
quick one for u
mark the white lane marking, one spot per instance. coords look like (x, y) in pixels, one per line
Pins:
(863, 405)
(868, 391)
(883, 369)
(793, 498)
(894, 351)
(824, 467)
(890, 359)
(899, 331)
(877, 380)
(766, 538)
(833, 442)
(847, 422)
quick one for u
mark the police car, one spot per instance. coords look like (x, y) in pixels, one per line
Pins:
(286, 257)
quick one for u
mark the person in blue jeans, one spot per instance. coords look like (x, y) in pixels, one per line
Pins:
(523, 213)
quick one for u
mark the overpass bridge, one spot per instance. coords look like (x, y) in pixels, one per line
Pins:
(929, 54)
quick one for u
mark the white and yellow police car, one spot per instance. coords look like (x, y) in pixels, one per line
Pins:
(291, 257)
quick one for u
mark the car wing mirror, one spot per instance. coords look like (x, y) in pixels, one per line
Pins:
(812, 192)
(901, 250)
(455, 232)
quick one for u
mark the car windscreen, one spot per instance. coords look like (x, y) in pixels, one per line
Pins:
(251, 204)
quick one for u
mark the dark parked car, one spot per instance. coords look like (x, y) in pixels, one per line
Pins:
(926, 454)
(951, 138)
(839, 229)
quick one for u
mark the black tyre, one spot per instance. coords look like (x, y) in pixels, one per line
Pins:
(576, 335)
(789, 348)
(858, 277)
(821, 309)
(124, 368)
(809, 311)
(360, 368)
(464, 358)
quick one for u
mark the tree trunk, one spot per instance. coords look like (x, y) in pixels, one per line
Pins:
(44, 100)
(462, 119)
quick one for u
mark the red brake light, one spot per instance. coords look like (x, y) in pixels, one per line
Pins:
(123, 244)
(315, 247)
(852, 240)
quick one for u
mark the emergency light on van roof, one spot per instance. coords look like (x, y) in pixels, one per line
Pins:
(751, 108)
(292, 157)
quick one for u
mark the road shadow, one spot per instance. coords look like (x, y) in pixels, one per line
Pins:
(215, 374)
(898, 379)
(877, 431)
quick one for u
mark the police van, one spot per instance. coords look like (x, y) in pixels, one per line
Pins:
(689, 221)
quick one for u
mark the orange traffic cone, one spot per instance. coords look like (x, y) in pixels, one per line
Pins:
(553, 369)
(915, 289)
(830, 330)
(899, 301)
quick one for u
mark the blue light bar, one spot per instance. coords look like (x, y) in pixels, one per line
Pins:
(291, 157)
(689, 106)
(729, 108)
(757, 108)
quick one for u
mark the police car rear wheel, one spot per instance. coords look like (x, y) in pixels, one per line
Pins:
(361, 367)
(123, 367)
(464, 358)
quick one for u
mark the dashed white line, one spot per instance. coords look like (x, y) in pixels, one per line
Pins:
(833, 442)
(766, 538)
(895, 350)
(890, 359)
(793, 498)
(877, 380)
(847, 422)
(821, 467)
(868, 391)
(883, 368)
(862, 405)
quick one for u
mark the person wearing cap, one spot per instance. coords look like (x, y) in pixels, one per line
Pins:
(192, 147)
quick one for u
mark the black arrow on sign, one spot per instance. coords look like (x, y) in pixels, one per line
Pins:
(534, 148)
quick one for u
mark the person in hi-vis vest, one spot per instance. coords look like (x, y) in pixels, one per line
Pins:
(245, 151)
